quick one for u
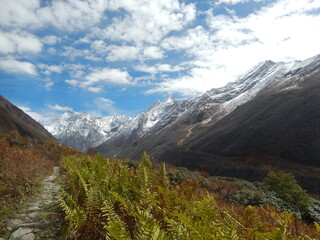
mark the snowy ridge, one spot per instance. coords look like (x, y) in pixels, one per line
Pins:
(81, 130)
(264, 76)
(156, 117)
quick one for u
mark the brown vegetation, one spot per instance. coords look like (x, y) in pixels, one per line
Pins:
(23, 162)
(115, 199)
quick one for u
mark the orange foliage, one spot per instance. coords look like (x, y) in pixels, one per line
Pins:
(23, 162)
(266, 218)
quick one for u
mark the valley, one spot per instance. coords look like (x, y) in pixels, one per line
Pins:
(266, 120)
(159, 120)
(228, 142)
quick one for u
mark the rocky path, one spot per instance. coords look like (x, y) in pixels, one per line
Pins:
(32, 223)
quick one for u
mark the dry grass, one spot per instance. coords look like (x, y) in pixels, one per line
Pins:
(266, 218)
(23, 163)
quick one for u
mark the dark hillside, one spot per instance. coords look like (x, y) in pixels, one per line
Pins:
(285, 124)
(13, 118)
(277, 130)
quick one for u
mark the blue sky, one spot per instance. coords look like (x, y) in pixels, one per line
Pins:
(109, 57)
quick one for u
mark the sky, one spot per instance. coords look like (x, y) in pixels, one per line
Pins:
(109, 57)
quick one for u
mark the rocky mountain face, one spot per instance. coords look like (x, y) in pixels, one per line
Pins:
(266, 78)
(13, 118)
(266, 120)
(81, 130)
(116, 133)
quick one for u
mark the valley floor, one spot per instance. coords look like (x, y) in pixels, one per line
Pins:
(32, 222)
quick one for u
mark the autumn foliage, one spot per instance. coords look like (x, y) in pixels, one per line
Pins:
(23, 163)
(107, 199)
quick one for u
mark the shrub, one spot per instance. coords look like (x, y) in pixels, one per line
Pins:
(23, 163)
(286, 188)
(105, 199)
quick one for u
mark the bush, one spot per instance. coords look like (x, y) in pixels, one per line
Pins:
(105, 199)
(23, 163)
(286, 188)
(314, 211)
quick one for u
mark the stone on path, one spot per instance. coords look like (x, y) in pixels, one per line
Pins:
(20, 232)
(29, 236)
(29, 222)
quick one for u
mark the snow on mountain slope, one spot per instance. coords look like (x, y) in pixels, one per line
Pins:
(156, 117)
(265, 76)
(81, 130)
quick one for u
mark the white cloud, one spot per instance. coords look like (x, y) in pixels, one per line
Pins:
(59, 108)
(106, 105)
(14, 66)
(45, 117)
(127, 53)
(148, 69)
(155, 69)
(73, 82)
(283, 31)
(199, 81)
(153, 52)
(73, 53)
(105, 101)
(233, 2)
(36, 116)
(69, 15)
(75, 70)
(50, 40)
(52, 51)
(98, 46)
(197, 42)
(48, 69)
(19, 42)
(73, 14)
(19, 13)
(168, 68)
(146, 21)
(95, 89)
(116, 53)
(144, 31)
(101, 77)
(122, 53)
(48, 85)
(109, 76)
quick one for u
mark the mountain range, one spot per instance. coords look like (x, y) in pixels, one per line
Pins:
(80, 130)
(268, 119)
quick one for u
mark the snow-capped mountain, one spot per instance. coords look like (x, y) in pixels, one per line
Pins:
(157, 117)
(181, 116)
(266, 120)
(81, 130)
(265, 76)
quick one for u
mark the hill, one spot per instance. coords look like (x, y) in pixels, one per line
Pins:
(13, 118)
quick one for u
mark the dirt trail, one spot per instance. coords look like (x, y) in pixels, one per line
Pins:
(189, 132)
(32, 222)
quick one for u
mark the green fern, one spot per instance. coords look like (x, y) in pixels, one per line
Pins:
(104, 198)
(116, 228)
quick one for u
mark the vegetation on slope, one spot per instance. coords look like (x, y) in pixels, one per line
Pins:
(107, 199)
(23, 163)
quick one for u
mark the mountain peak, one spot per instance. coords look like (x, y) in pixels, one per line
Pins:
(81, 130)
(265, 76)
(170, 99)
